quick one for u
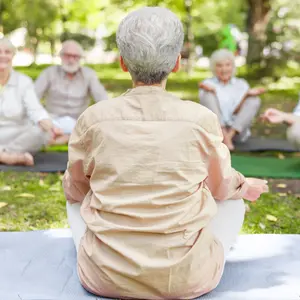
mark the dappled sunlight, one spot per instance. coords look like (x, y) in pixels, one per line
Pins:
(285, 83)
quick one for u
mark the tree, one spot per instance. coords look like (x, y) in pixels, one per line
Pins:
(283, 37)
(8, 19)
(258, 18)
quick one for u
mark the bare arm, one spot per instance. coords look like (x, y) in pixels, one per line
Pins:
(276, 116)
(223, 181)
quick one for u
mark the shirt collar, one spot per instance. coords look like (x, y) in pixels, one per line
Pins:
(145, 89)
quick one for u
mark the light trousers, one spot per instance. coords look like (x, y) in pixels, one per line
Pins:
(22, 138)
(242, 120)
(293, 135)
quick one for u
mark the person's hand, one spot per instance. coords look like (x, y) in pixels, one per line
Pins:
(48, 127)
(46, 124)
(56, 132)
(274, 116)
(207, 88)
(256, 187)
(256, 91)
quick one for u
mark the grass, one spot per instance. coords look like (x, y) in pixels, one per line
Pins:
(31, 201)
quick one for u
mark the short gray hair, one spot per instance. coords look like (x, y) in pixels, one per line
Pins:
(150, 40)
(71, 43)
(6, 42)
(221, 55)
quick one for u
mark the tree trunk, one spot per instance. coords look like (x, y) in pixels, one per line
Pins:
(258, 19)
(190, 36)
(52, 48)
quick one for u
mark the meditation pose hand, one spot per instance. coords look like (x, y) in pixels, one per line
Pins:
(256, 92)
(207, 88)
(54, 132)
(255, 189)
(276, 116)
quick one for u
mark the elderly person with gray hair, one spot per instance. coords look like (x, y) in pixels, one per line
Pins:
(146, 176)
(230, 98)
(24, 124)
(68, 88)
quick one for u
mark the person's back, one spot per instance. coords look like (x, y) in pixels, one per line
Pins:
(149, 202)
(144, 171)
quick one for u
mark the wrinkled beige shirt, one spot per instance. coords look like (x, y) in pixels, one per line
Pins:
(147, 167)
(68, 97)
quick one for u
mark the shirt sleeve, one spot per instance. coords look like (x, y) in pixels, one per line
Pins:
(42, 84)
(34, 109)
(223, 181)
(76, 180)
(209, 82)
(244, 85)
(96, 89)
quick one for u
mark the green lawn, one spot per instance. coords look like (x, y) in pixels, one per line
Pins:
(35, 201)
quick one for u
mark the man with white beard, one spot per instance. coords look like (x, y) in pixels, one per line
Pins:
(67, 88)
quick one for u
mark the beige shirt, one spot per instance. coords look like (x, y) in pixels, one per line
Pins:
(65, 97)
(147, 167)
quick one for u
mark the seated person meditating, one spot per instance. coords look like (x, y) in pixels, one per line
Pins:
(230, 98)
(67, 88)
(24, 124)
(276, 116)
(153, 203)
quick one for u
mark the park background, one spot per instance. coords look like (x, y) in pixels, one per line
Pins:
(269, 38)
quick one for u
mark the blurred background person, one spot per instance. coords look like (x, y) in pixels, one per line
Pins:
(68, 88)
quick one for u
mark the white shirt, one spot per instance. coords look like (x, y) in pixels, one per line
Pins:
(19, 103)
(229, 95)
(297, 109)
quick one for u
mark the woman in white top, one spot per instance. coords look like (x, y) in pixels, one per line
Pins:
(276, 116)
(230, 98)
(24, 124)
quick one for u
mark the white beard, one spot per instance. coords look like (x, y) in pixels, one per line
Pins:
(70, 68)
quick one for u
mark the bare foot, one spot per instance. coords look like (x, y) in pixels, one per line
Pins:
(228, 139)
(28, 159)
(228, 142)
(24, 159)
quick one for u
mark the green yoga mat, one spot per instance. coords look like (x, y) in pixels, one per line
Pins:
(271, 167)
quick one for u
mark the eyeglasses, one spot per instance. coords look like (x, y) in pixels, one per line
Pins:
(69, 56)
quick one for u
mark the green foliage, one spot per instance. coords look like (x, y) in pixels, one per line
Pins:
(8, 20)
(283, 37)
(85, 41)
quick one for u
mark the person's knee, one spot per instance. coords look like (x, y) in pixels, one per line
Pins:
(238, 206)
(293, 134)
(207, 97)
(38, 133)
(255, 102)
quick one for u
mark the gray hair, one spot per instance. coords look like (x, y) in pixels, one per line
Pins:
(150, 40)
(219, 56)
(6, 42)
(73, 43)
